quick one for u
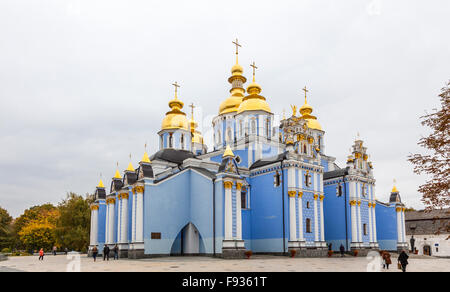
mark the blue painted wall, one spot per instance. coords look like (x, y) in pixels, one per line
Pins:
(386, 227)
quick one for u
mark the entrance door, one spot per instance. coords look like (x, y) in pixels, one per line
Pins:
(188, 242)
(427, 250)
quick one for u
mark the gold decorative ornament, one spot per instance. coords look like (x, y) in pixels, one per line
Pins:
(138, 190)
(352, 203)
(322, 197)
(111, 201)
(292, 194)
(125, 196)
(238, 186)
(94, 207)
(300, 194)
(306, 111)
(175, 119)
(316, 196)
(228, 184)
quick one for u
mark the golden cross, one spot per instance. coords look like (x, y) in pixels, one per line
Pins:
(130, 156)
(176, 88)
(306, 91)
(145, 146)
(192, 109)
(238, 45)
(117, 164)
(254, 70)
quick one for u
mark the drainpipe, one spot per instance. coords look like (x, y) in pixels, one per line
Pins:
(282, 199)
(214, 216)
(345, 208)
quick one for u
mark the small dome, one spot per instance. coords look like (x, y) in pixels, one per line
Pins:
(254, 104)
(237, 70)
(231, 104)
(314, 124)
(174, 121)
(306, 109)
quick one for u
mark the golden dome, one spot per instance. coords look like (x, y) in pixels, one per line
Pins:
(175, 119)
(395, 190)
(100, 184)
(254, 101)
(145, 158)
(237, 70)
(232, 103)
(306, 111)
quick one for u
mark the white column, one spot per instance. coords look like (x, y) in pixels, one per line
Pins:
(133, 217)
(354, 226)
(292, 217)
(94, 234)
(228, 211)
(292, 211)
(316, 219)
(124, 220)
(111, 221)
(91, 240)
(300, 216)
(399, 225)
(374, 223)
(322, 223)
(352, 186)
(238, 212)
(403, 225)
(119, 219)
(370, 222)
(359, 222)
(140, 214)
(107, 223)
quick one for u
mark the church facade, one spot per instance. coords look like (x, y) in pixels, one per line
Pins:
(265, 187)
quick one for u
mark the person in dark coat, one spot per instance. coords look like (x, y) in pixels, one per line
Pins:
(342, 250)
(386, 259)
(95, 253)
(106, 252)
(116, 252)
(403, 260)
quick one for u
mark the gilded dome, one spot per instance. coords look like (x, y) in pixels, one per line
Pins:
(254, 101)
(306, 111)
(231, 104)
(175, 119)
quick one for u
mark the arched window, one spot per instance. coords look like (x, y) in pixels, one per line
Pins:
(365, 229)
(253, 126)
(244, 198)
(219, 137)
(182, 141)
(307, 205)
(268, 128)
(170, 140)
(229, 135)
(305, 151)
(308, 225)
(241, 128)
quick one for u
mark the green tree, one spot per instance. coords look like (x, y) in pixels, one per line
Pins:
(6, 220)
(73, 224)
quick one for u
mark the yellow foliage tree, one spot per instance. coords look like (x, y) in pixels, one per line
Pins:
(40, 232)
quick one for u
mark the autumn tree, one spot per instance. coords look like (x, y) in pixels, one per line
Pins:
(436, 163)
(5, 229)
(35, 228)
(73, 224)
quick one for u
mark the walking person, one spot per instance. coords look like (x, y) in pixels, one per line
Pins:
(54, 250)
(66, 251)
(386, 259)
(95, 253)
(342, 250)
(106, 252)
(41, 254)
(403, 260)
(116, 252)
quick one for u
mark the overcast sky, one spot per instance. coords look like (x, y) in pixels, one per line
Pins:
(85, 83)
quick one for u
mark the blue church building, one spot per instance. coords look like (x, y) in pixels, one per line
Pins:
(265, 187)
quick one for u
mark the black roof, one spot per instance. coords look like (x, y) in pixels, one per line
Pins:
(268, 161)
(172, 155)
(100, 194)
(395, 198)
(335, 173)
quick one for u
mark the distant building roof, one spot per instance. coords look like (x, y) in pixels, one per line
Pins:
(335, 173)
(423, 222)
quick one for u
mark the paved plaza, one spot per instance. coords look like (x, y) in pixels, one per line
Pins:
(207, 264)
